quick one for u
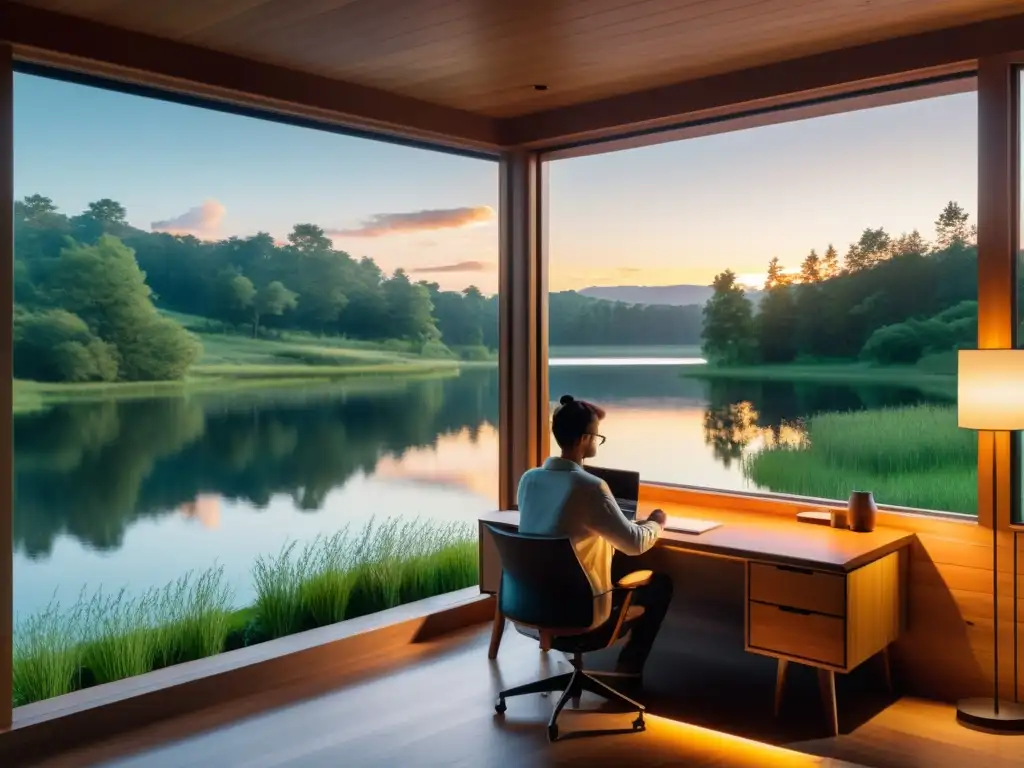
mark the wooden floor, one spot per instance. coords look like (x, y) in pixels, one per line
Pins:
(437, 711)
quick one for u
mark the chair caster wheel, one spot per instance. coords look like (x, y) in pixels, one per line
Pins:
(639, 724)
(500, 707)
(552, 732)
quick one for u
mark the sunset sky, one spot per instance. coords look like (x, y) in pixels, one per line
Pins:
(666, 214)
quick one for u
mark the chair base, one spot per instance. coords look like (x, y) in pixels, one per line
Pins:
(572, 685)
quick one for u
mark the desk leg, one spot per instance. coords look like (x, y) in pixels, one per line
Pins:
(780, 683)
(827, 683)
(497, 630)
(887, 669)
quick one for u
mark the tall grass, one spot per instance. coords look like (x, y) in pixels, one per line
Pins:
(111, 636)
(914, 456)
(46, 654)
(119, 640)
(108, 637)
(193, 617)
(345, 576)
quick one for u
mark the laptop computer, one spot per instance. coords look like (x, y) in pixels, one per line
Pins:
(624, 485)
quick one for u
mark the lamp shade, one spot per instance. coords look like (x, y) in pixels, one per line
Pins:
(990, 389)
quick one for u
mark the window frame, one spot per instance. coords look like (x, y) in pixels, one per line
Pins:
(911, 90)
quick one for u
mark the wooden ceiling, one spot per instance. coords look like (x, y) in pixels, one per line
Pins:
(485, 56)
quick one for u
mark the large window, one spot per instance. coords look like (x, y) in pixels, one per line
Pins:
(256, 388)
(778, 309)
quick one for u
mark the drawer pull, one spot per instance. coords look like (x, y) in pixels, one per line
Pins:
(798, 611)
(794, 569)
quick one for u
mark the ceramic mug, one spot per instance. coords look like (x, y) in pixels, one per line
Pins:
(862, 511)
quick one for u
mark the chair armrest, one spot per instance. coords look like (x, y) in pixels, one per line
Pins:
(635, 579)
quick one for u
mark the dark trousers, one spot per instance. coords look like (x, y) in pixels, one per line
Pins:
(655, 598)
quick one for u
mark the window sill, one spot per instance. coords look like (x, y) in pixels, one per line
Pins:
(324, 657)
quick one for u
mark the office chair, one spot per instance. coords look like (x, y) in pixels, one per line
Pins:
(544, 587)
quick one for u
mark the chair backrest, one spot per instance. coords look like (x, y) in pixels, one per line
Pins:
(542, 582)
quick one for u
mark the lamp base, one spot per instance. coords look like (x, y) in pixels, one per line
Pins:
(981, 714)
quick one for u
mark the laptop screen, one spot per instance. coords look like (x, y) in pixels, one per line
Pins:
(624, 484)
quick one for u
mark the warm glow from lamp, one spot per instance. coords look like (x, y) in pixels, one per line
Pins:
(990, 389)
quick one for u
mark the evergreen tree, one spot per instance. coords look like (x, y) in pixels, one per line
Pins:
(810, 269)
(830, 263)
(728, 323)
(951, 227)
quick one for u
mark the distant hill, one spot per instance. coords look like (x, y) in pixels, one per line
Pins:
(672, 295)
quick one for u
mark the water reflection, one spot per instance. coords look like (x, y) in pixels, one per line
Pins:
(732, 429)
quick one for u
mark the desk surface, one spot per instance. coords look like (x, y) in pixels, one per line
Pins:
(766, 537)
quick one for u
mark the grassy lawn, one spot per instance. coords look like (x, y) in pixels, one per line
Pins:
(910, 457)
(236, 363)
(110, 637)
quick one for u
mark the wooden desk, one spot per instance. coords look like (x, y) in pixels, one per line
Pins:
(819, 596)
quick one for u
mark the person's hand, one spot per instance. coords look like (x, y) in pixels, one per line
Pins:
(659, 517)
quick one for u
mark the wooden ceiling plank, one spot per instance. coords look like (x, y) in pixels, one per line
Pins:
(513, 34)
(772, 83)
(87, 46)
(269, 20)
(443, 77)
(487, 94)
(458, 32)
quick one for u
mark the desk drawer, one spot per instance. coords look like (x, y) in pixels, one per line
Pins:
(798, 588)
(789, 632)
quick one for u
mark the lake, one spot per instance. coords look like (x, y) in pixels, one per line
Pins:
(134, 493)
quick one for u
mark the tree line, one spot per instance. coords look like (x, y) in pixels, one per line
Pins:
(891, 300)
(87, 287)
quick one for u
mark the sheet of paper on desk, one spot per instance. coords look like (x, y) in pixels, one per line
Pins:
(689, 525)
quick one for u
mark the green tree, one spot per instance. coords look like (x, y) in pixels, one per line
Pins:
(409, 310)
(103, 285)
(236, 297)
(35, 208)
(107, 211)
(910, 244)
(728, 334)
(951, 227)
(308, 239)
(271, 299)
(777, 326)
(775, 275)
(810, 269)
(158, 349)
(874, 247)
(55, 345)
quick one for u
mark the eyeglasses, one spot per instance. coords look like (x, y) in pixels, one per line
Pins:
(601, 438)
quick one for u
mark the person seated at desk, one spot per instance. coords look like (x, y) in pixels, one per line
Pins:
(561, 499)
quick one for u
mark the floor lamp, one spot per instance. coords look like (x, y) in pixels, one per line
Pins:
(990, 398)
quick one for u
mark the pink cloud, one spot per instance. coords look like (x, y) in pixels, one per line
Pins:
(381, 224)
(203, 221)
(461, 266)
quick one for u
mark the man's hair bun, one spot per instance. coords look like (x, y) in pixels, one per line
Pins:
(566, 399)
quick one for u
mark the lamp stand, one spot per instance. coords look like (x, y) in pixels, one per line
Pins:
(993, 715)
